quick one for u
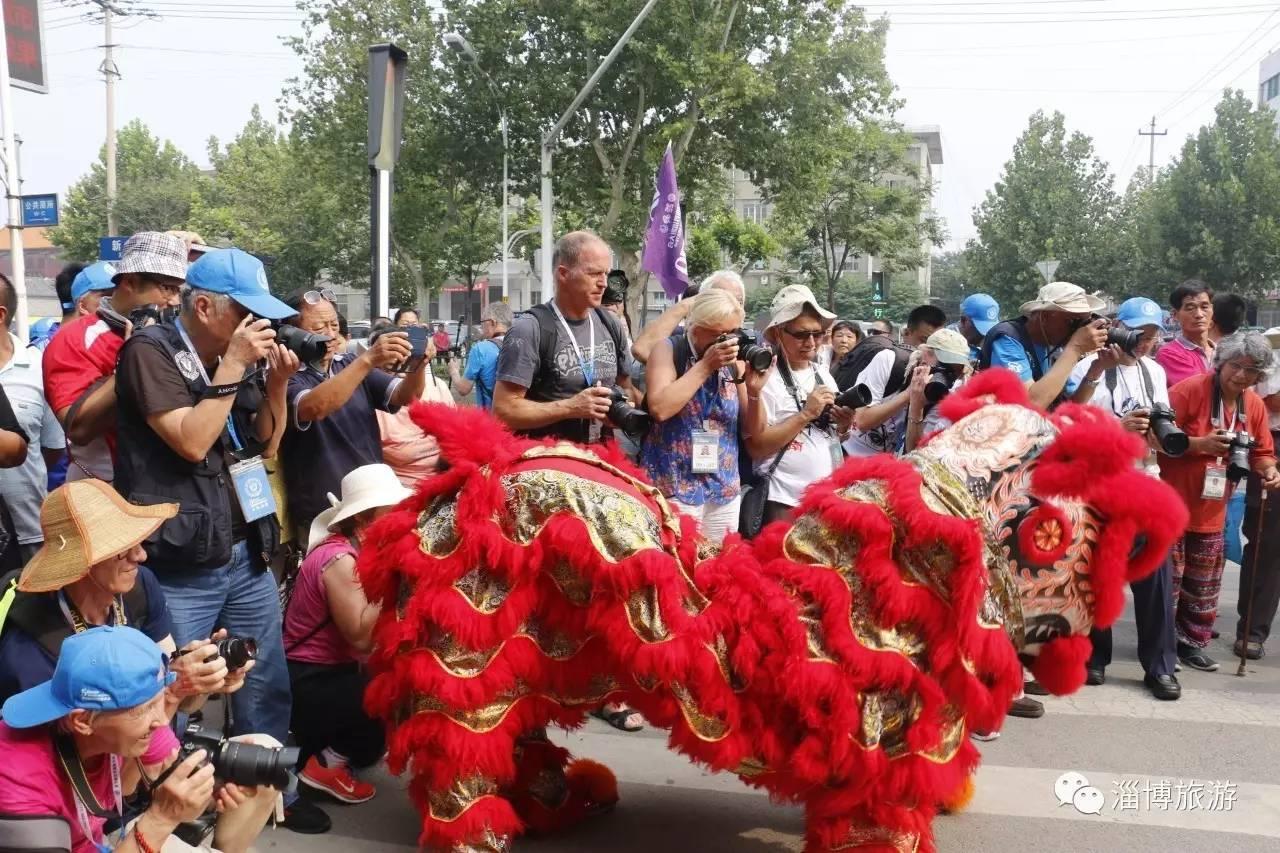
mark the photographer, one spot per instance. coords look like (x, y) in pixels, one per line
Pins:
(1131, 385)
(940, 366)
(792, 426)
(1229, 436)
(1043, 346)
(979, 313)
(482, 362)
(668, 323)
(691, 454)
(561, 362)
(333, 405)
(80, 362)
(75, 746)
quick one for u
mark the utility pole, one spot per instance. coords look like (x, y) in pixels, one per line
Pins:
(1151, 158)
(110, 72)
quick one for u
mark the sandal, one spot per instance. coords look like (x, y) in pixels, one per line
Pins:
(618, 718)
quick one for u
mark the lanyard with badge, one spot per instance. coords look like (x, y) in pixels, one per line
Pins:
(249, 475)
(706, 441)
(1215, 474)
(833, 442)
(86, 800)
(587, 364)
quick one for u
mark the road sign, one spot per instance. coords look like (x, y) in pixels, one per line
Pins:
(39, 210)
(878, 312)
(1047, 269)
(111, 248)
(879, 293)
(24, 33)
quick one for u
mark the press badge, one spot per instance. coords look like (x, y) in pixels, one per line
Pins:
(837, 455)
(1215, 483)
(253, 489)
(706, 451)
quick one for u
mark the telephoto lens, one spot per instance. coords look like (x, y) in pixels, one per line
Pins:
(625, 416)
(1126, 339)
(241, 763)
(855, 398)
(1173, 441)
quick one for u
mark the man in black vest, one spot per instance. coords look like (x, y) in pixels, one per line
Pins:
(196, 421)
(1044, 345)
(559, 361)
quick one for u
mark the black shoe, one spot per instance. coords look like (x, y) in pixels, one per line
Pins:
(1034, 688)
(1026, 707)
(306, 818)
(1255, 651)
(1213, 635)
(1196, 659)
(1093, 676)
(1164, 687)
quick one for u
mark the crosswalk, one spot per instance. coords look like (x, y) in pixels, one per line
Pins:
(1201, 774)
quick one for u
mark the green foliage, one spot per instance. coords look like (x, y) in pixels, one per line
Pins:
(156, 186)
(1054, 200)
(949, 281)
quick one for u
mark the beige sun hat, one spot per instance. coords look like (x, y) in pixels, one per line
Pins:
(1064, 296)
(790, 302)
(366, 487)
(949, 346)
(84, 523)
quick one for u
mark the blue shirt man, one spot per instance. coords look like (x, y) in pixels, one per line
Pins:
(481, 371)
(978, 314)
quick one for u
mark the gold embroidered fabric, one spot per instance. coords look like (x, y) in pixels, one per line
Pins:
(550, 788)
(488, 843)
(456, 658)
(644, 612)
(480, 720)
(574, 586)
(866, 836)
(751, 767)
(438, 523)
(552, 643)
(815, 636)
(450, 804)
(483, 590)
(885, 717)
(705, 726)
(952, 737)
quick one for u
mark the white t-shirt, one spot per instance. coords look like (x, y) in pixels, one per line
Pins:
(1269, 385)
(1130, 392)
(808, 458)
(883, 438)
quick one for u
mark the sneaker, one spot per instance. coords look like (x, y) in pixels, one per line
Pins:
(1026, 707)
(1197, 659)
(306, 818)
(985, 737)
(337, 782)
(1255, 651)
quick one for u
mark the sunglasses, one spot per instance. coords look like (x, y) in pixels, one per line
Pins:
(805, 336)
(313, 297)
(876, 332)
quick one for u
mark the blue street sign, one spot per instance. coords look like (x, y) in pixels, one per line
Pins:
(111, 248)
(39, 210)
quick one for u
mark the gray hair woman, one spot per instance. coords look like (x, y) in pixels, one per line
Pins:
(1229, 434)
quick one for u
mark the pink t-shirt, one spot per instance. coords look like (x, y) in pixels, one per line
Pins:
(32, 782)
(1182, 359)
(309, 610)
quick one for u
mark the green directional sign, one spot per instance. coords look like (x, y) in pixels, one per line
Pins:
(878, 312)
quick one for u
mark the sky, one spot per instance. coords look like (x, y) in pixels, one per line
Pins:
(976, 69)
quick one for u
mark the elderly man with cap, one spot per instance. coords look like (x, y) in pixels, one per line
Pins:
(1131, 385)
(1043, 345)
(202, 403)
(979, 313)
(74, 746)
(80, 362)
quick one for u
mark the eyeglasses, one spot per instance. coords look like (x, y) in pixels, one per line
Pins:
(1249, 371)
(806, 335)
(165, 284)
(313, 297)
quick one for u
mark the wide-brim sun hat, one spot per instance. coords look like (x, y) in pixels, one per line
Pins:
(790, 302)
(1066, 297)
(84, 523)
(948, 346)
(367, 487)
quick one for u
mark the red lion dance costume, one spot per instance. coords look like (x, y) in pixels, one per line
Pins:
(838, 661)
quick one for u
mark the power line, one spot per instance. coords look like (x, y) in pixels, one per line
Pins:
(1186, 113)
(1088, 13)
(1230, 56)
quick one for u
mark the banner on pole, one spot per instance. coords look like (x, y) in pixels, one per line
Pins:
(24, 31)
(664, 241)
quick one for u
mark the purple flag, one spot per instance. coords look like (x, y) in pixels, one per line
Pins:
(664, 241)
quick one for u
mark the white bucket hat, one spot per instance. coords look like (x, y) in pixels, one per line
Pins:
(1273, 336)
(1064, 296)
(949, 346)
(789, 303)
(367, 487)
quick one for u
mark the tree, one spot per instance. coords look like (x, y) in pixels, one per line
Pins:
(1218, 208)
(1054, 200)
(727, 238)
(949, 281)
(155, 187)
(866, 200)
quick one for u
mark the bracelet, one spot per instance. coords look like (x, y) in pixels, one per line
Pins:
(142, 842)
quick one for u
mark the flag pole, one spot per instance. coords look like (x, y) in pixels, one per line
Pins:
(12, 190)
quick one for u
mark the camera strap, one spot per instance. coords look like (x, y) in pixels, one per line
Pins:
(86, 800)
(1112, 374)
(586, 362)
(1219, 409)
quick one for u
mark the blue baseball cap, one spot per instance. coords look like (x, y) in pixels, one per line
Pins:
(982, 310)
(103, 669)
(1140, 311)
(93, 277)
(241, 276)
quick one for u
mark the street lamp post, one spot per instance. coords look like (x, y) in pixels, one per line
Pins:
(459, 45)
(553, 135)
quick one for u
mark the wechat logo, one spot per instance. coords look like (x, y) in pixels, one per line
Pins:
(1072, 789)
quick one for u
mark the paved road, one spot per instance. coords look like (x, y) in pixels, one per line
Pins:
(1224, 730)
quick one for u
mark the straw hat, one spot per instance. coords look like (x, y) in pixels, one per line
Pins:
(1064, 296)
(367, 487)
(84, 523)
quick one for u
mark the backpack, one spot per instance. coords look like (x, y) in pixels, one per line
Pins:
(856, 360)
(39, 615)
(1017, 329)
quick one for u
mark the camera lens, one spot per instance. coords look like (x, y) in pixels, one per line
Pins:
(308, 346)
(251, 765)
(758, 357)
(938, 386)
(1126, 339)
(855, 398)
(625, 416)
(237, 652)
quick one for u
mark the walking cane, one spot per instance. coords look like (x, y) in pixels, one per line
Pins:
(1256, 542)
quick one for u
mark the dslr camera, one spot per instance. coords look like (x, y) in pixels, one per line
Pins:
(241, 763)
(1238, 455)
(757, 356)
(309, 347)
(615, 291)
(236, 651)
(1173, 441)
(1126, 339)
(939, 385)
(626, 417)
